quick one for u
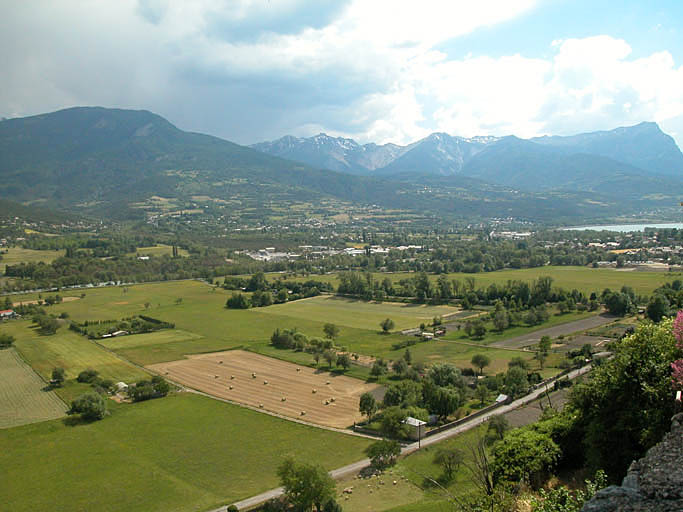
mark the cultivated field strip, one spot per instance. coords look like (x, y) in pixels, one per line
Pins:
(274, 385)
(22, 399)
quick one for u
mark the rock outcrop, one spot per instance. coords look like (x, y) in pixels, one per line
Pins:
(653, 483)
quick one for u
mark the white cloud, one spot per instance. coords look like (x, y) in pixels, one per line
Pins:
(250, 70)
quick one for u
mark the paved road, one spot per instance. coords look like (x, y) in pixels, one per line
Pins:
(354, 468)
(568, 328)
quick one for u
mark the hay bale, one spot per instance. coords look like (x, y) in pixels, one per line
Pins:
(232, 377)
(265, 382)
(298, 369)
(215, 376)
(327, 382)
(260, 406)
(284, 399)
(303, 413)
(332, 399)
(220, 362)
(314, 391)
(327, 402)
(230, 387)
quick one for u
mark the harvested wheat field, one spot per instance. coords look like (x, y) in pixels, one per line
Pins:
(277, 386)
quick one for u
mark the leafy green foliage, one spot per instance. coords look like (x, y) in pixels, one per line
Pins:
(6, 340)
(524, 454)
(91, 406)
(306, 485)
(626, 405)
(383, 454)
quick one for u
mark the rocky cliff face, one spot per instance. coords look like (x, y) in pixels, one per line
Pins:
(653, 483)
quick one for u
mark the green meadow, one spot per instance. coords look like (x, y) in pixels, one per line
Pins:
(22, 395)
(16, 255)
(584, 279)
(182, 452)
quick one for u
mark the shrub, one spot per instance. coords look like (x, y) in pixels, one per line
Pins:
(87, 376)
(91, 406)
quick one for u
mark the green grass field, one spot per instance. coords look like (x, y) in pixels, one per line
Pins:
(22, 399)
(17, 255)
(179, 453)
(584, 279)
(158, 250)
(203, 324)
(70, 351)
(360, 314)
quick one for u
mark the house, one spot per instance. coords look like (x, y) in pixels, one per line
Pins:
(416, 428)
(121, 387)
(7, 313)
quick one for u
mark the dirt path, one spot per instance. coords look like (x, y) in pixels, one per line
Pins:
(26, 302)
(564, 329)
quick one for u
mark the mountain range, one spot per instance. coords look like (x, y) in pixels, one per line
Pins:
(117, 163)
(638, 157)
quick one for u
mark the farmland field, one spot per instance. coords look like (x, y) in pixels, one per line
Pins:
(16, 255)
(584, 279)
(70, 351)
(22, 399)
(182, 452)
(358, 313)
(158, 250)
(229, 375)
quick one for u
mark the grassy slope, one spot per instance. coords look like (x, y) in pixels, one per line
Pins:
(22, 399)
(179, 453)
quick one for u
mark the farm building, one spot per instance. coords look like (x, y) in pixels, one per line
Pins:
(121, 386)
(416, 428)
(7, 313)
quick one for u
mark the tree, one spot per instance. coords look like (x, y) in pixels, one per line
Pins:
(6, 340)
(387, 325)
(383, 454)
(399, 366)
(407, 357)
(237, 301)
(516, 381)
(481, 392)
(480, 361)
(657, 307)
(331, 331)
(626, 405)
(330, 356)
(501, 320)
(524, 454)
(443, 401)
(450, 460)
(87, 376)
(344, 360)
(497, 426)
(518, 361)
(368, 405)
(58, 376)
(392, 423)
(544, 344)
(379, 367)
(91, 406)
(257, 282)
(446, 374)
(306, 485)
(478, 329)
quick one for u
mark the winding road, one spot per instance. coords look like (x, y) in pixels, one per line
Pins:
(351, 469)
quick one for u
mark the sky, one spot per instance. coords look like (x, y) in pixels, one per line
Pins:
(373, 70)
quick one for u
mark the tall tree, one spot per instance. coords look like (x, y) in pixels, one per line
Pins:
(306, 485)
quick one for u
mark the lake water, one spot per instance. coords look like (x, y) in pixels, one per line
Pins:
(625, 228)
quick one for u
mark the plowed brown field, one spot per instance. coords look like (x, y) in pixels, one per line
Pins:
(278, 386)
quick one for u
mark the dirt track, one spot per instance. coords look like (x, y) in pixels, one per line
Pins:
(294, 383)
(568, 328)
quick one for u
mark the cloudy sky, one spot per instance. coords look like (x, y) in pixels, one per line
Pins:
(374, 70)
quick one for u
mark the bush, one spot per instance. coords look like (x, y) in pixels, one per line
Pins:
(87, 376)
(238, 301)
(146, 390)
(6, 340)
(91, 406)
